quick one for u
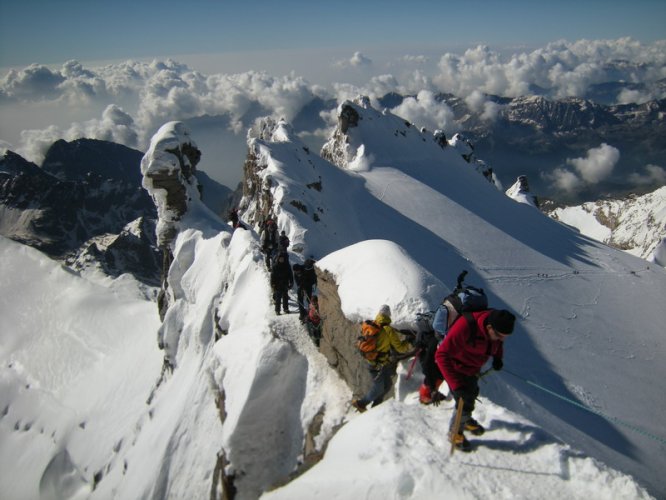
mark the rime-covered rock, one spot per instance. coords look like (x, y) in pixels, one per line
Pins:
(168, 169)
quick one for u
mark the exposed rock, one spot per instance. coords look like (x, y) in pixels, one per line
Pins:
(134, 250)
(440, 138)
(63, 215)
(339, 336)
(168, 170)
(81, 158)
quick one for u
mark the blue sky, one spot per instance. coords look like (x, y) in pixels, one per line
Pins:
(52, 32)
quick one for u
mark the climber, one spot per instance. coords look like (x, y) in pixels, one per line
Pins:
(383, 367)
(469, 343)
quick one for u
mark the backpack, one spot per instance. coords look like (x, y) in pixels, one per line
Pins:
(367, 341)
(464, 299)
(424, 328)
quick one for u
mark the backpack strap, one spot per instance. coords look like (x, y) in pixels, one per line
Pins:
(473, 327)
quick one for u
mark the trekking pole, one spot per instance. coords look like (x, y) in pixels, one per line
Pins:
(456, 425)
(412, 364)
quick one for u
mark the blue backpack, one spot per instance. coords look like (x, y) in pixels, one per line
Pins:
(463, 300)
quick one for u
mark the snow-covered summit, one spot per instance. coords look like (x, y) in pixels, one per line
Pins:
(520, 191)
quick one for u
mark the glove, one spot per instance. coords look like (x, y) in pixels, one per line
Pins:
(497, 364)
(437, 397)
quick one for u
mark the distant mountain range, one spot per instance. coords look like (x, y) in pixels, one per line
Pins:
(86, 206)
(533, 135)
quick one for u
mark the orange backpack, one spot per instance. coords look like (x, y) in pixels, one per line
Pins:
(367, 341)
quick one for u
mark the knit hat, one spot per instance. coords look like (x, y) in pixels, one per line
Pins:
(385, 311)
(502, 321)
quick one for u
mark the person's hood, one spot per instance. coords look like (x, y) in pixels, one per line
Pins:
(382, 319)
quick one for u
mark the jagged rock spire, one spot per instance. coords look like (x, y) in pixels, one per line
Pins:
(168, 170)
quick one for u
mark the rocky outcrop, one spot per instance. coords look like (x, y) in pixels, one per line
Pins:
(168, 170)
(168, 175)
(339, 337)
(520, 191)
(336, 150)
(134, 250)
(87, 195)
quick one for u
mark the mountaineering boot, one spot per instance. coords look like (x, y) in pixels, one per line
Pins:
(360, 407)
(424, 395)
(474, 427)
(460, 442)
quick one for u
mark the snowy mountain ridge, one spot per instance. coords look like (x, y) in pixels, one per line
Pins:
(246, 403)
(636, 224)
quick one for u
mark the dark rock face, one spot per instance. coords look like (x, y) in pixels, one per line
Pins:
(61, 211)
(83, 158)
(348, 118)
(257, 189)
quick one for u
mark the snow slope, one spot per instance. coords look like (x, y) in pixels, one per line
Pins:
(636, 224)
(249, 387)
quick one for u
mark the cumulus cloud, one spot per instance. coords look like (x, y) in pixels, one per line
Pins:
(36, 82)
(597, 165)
(426, 111)
(35, 143)
(357, 60)
(159, 91)
(565, 180)
(654, 174)
(479, 103)
(560, 69)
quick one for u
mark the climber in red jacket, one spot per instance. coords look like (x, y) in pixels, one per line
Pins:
(470, 342)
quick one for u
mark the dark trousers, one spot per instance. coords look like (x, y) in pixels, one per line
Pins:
(468, 392)
(382, 380)
(281, 295)
(431, 373)
(303, 292)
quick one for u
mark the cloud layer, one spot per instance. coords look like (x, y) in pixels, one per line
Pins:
(127, 102)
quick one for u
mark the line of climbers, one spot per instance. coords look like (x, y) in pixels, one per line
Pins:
(452, 343)
(283, 276)
(454, 347)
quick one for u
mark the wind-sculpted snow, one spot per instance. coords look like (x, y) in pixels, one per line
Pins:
(168, 175)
